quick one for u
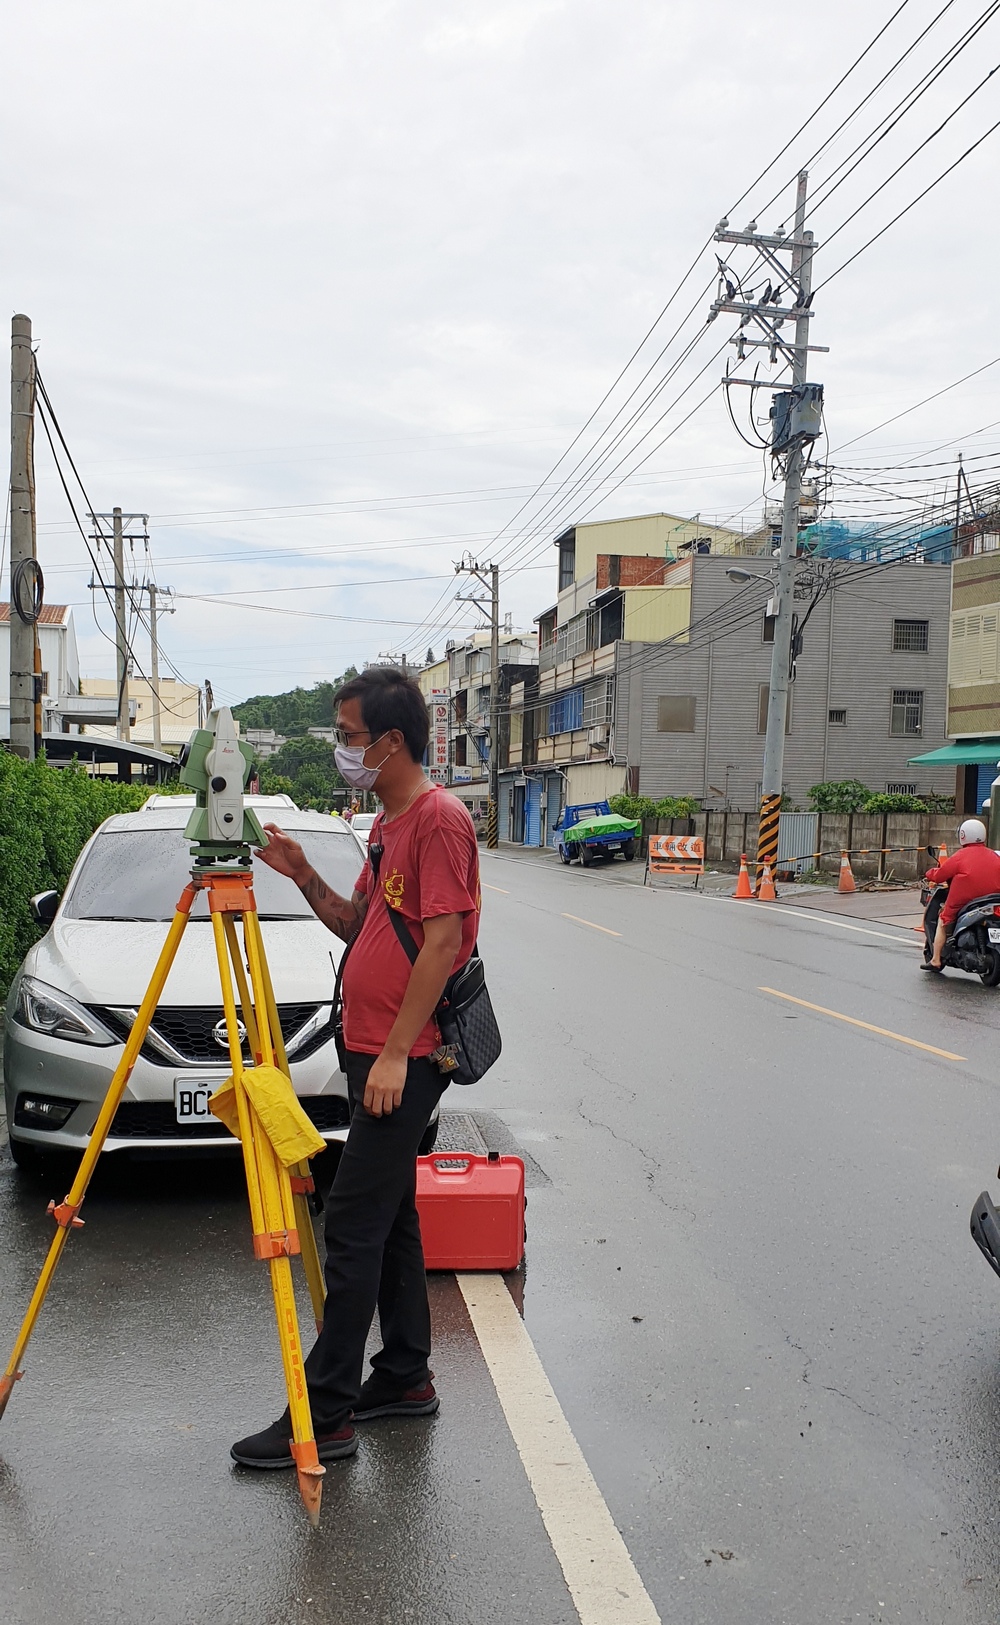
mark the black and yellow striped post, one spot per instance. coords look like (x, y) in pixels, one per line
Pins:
(767, 836)
(492, 825)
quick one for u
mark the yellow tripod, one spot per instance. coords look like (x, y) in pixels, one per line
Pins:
(259, 1104)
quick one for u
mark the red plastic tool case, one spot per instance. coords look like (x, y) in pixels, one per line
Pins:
(471, 1210)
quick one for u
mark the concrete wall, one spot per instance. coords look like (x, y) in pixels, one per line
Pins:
(847, 663)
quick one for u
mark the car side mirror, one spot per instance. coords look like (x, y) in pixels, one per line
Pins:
(43, 907)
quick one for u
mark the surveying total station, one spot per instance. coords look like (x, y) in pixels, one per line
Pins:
(257, 1102)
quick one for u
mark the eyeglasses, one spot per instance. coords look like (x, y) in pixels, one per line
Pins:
(343, 736)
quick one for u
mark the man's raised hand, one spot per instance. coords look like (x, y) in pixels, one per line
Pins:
(284, 855)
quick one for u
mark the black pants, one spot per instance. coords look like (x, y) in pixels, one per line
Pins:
(373, 1251)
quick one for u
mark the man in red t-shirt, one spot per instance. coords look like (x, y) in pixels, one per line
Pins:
(973, 871)
(427, 872)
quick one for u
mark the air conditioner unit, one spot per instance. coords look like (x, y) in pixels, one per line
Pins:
(598, 734)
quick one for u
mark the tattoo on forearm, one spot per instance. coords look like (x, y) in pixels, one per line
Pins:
(342, 915)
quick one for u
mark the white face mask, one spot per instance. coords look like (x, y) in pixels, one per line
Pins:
(350, 760)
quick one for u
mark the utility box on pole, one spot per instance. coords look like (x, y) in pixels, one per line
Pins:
(23, 564)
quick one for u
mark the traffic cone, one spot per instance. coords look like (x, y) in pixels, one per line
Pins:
(846, 881)
(942, 853)
(743, 887)
(765, 891)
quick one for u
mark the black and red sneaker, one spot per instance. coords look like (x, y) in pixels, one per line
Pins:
(379, 1398)
(271, 1448)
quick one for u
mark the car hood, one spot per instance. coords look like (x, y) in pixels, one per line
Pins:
(111, 961)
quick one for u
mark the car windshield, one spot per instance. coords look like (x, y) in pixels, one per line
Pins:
(363, 822)
(139, 875)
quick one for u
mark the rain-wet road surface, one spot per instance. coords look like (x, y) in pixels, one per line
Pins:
(749, 1280)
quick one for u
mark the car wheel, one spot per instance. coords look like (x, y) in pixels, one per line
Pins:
(564, 854)
(629, 851)
(991, 977)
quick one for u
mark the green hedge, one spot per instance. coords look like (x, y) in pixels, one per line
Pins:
(644, 807)
(46, 815)
(851, 796)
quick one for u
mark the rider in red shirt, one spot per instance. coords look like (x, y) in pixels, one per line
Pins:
(973, 871)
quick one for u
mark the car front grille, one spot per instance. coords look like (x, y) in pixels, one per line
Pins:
(157, 1120)
(190, 1029)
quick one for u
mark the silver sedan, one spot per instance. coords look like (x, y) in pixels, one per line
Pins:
(76, 995)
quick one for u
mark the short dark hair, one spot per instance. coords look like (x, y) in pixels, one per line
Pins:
(390, 699)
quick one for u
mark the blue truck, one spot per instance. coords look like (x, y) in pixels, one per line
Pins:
(589, 830)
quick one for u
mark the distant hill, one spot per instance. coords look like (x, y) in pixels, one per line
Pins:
(294, 712)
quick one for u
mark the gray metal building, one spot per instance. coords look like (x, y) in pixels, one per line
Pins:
(870, 688)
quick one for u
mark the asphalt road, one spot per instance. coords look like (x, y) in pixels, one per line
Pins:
(750, 1283)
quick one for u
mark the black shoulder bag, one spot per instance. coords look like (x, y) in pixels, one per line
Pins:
(470, 1037)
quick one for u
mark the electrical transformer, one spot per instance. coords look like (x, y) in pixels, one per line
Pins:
(796, 415)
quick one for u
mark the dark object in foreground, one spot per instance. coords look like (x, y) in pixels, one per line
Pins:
(985, 1227)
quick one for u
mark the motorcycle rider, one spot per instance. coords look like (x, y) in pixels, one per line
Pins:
(973, 871)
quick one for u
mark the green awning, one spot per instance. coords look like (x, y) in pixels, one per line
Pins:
(963, 753)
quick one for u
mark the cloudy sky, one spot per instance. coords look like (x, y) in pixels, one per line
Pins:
(328, 288)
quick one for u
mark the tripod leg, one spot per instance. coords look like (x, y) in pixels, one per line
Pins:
(272, 1215)
(65, 1214)
(301, 1177)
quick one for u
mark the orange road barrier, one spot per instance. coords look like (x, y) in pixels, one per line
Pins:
(743, 887)
(765, 891)
(675, 855)
(846, 881)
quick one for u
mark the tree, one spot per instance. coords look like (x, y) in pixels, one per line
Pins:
(304, 769)
(294, 712)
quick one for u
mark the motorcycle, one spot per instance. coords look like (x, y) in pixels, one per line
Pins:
(974, 944)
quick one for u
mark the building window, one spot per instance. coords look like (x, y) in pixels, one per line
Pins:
(566, 544)
(45, 682)
(838, 718)
(763, 693)
(767, 629)
(900, 789)
(907, 712)
(675, 714)
(910, 635)
(566, 713)
(461, 745)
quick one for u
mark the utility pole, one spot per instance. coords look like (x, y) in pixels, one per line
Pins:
(154, 667)
(796, 416)
(24, 574)
(489, 576)
(121, 532)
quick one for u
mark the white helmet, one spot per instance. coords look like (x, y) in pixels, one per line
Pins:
(972, 830)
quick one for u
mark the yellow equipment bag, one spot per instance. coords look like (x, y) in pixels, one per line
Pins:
(292, 1134)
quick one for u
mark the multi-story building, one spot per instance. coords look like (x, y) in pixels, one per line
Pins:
(458, 691)
(180, 709)
(622, 582)
(869, 688)
(973, 723)
(654, 671)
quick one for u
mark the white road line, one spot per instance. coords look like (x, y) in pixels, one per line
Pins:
(600, 1574)
(824, 919)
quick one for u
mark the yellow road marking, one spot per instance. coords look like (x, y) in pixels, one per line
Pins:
(854, 1022)
(593, 927)
(488, 887)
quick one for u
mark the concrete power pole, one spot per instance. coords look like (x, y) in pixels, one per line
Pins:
(22, 537)
(489, 576)
(154, 667)
(796, 416)
(121, 625)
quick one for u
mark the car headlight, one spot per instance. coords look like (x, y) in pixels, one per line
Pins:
(44, 1010)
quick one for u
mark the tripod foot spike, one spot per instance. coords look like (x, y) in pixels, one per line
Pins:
(310, 1477)
(7, 1388)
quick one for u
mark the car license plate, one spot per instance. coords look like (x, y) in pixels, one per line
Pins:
(993, 932)
(191, 1099)
(614, 846)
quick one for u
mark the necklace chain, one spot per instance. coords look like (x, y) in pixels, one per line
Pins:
(423, 785)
